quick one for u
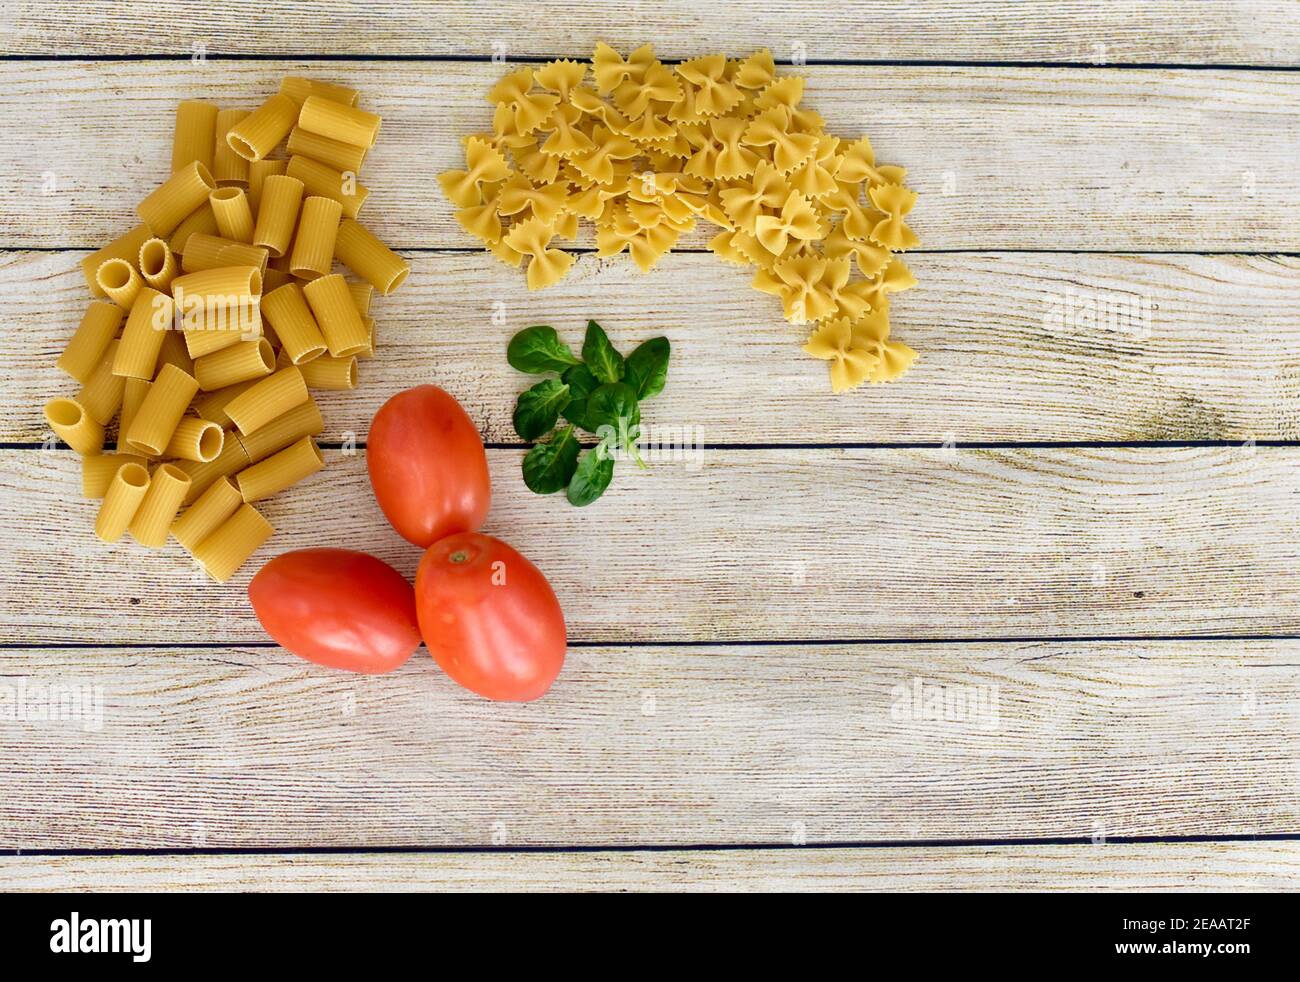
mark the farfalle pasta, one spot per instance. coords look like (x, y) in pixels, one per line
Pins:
(646, 152)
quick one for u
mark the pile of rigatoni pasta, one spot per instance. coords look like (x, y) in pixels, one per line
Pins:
(221, 311)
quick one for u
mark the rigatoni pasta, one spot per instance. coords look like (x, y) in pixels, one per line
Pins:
(196, 439)
(237, 363)
(234, 216)
(195, 134)
(332, 306)
(267, 399)
(125, 246)
(231, 460)
(208, 512)
(101, 395)
(205, 393)
(286, 310)
(333, 153)
(229, 169)
(175, 199)
(257, 134)
(126, 490)
(278, 215)
(327, 182)
(98, 327)
(156, 420)
(97, 470)
(150, 317)
(294, 463)
(73, 425)
(157, 264)
(358, 249)
(153, 519)
(119, 281)
(336, 121)
(298, 89)
(258, 172)
(233, 542)
(300, 421)
(313, 246)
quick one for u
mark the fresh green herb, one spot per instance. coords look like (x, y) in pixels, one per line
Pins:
(539, 349)
(600, 394)
(614, 410)
(549, 466)
(595, 471)
(581, 385)
(647, 368)
(599, 355)
(539, 408)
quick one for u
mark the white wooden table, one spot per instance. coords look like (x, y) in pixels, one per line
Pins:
(1095, 526)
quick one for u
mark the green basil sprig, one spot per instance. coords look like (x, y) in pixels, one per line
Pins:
(600, 393)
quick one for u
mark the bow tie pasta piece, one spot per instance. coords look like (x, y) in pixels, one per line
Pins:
(483, 163)
(657, 84)
(757, 71)
(561, 77)
(545, 266)
(598, 163)
(530, 108)
(852, 359)
(895, 201)
(771, 128)
(645, 151)
(609, 68)
(543, 203)
(797, 219)
(707, 76)
(567, 137)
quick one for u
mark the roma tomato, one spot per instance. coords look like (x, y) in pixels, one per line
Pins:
(338, 608)
(489, 617)
(427, 466)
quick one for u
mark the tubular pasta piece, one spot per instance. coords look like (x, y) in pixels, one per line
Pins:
(127, 487)
(99, 325)
(232, 543)
(207, 513)
(295, 463)
(74, 426)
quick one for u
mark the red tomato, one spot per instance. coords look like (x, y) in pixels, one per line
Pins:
(489, 617)
(427, 466)
(338, 608)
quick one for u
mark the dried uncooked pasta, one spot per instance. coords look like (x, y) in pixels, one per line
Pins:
(205, 393)
(645, 152)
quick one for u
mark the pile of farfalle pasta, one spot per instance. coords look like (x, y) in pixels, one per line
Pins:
(644, 151)
(219, 313)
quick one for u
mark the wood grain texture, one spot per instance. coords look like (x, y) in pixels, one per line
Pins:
(1222, 32)
(754, 544)
(1003, 158)
(1003, 358)
(1142, 867)
(752, 745)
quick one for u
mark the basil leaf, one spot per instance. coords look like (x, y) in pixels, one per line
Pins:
(539, 349)
(614, 405)
(647, 368)
(539, 408)
(581, 384)
(548, 467)
(595, 471)
(605, 363)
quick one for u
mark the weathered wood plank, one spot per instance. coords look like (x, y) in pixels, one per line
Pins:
(1129, 867)
(1202, 348)
(755, 544)
(1233, 32)
(1003, 158)
(663, 745)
